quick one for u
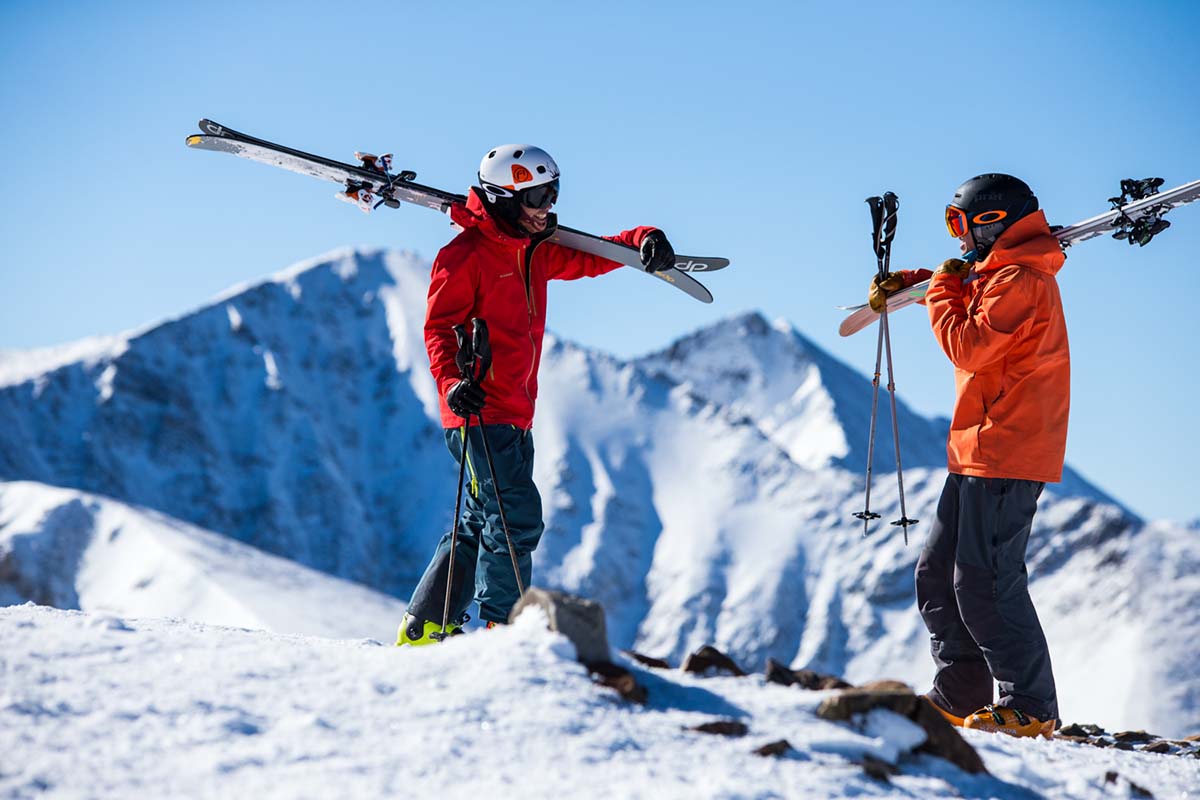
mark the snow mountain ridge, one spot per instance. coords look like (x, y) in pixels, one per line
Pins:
(702, 494)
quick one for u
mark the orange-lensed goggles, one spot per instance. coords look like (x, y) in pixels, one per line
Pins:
(956, 221)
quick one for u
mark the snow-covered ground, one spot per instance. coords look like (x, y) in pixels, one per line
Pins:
(93, 705)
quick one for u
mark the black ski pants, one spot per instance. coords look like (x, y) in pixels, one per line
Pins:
(483, 568)
(973, 592)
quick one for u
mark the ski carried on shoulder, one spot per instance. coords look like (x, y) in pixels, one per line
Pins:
(1136, 217)
(371, 183)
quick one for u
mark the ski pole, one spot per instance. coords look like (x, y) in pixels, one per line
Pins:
(891, 206)
(465, 358)
(483, 351)
(878, 231)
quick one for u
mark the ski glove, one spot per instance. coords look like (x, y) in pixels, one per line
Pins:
(656, 252)
(954, 266)
(466, 398)
(892, 282)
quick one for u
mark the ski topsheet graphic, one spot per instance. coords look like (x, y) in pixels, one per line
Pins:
(1136, 217)
(372, 184)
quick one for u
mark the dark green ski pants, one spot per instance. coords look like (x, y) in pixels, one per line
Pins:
(483, 568)
(973, 592)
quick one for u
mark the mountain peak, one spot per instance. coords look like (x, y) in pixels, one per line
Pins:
(810, 404)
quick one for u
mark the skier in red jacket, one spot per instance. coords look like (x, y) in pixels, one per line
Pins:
(497, 270)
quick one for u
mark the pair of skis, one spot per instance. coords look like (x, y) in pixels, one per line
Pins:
(1136, 217)
(371, 183)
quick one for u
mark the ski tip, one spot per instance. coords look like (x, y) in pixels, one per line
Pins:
(194, 140)
(700, 263)
(855, 323)
(207, 126)
(681, 280)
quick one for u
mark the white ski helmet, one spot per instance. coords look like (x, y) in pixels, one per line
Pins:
(508, 171)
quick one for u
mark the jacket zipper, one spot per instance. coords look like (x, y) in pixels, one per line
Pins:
(525, 264)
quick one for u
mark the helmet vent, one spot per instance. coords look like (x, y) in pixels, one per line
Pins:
(541, 170)
(518, 154)
(492, 154)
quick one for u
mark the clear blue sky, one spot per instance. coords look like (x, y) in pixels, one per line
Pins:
(750, 130)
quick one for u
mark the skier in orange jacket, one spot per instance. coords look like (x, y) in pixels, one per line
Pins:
(998, 316)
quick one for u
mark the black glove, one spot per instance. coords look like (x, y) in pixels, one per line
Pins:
(656, 252)
(466, 398)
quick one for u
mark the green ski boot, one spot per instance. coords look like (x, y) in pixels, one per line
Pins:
(413, 632)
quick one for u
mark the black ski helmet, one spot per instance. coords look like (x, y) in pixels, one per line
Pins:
(991, 203)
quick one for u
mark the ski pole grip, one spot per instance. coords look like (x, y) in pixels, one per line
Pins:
(481, 345)
(465, 357)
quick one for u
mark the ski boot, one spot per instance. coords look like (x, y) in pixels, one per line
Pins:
(416, 632)
(359, 195)
(999, 719)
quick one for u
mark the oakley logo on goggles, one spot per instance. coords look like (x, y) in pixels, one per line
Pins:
(956, 220)
(541, 196)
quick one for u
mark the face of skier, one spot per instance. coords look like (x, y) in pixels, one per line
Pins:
(966, 243)
(534, 220)
(536, 203)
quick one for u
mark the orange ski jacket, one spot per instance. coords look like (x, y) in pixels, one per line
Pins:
(489, 272)
(1005, 333)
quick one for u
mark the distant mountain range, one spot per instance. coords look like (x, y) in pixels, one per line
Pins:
(702, 494)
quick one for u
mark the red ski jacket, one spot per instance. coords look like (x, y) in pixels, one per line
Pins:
(489, 272)
(1006, 335)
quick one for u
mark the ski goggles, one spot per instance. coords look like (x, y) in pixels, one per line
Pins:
(542, 196)
(956, 222)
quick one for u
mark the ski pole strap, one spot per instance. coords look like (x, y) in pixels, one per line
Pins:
(876, 206)
(891, 204)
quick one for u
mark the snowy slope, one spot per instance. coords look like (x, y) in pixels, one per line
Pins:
(70, 549)
(703, 494)
(260, 416)
(100, 706)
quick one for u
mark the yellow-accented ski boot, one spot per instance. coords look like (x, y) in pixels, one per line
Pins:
(417, 632)
(999, 719)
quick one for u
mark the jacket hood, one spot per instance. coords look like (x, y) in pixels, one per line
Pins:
(1029, 243)
(475, 214)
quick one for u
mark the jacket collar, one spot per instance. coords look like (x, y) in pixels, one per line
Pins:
(1029, 243)
(475, 214)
